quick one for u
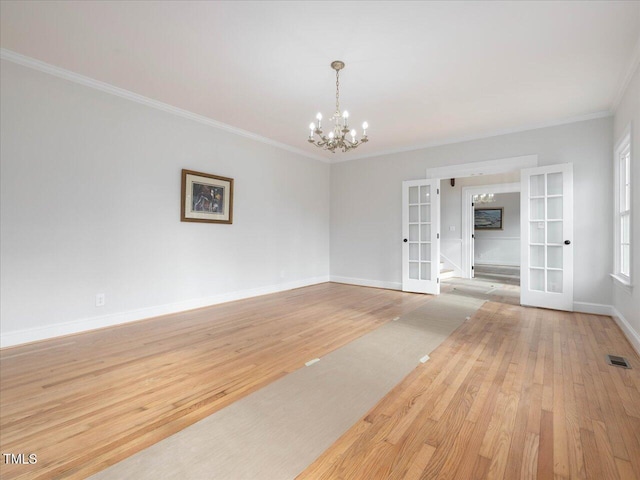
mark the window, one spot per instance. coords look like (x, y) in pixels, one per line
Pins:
(622, 201)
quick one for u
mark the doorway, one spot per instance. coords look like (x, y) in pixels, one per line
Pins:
(546, 224)
(492, 246)
(495, 240)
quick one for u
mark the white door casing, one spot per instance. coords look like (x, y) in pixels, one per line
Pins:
(421, 236)
(546, 219)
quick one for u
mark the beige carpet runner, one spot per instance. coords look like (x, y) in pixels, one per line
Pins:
(276, 432)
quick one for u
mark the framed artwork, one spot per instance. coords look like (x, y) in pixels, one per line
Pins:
(206, 198)
(488, 218)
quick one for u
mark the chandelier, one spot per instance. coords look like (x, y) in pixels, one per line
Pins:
(337, 138)
(484, 198)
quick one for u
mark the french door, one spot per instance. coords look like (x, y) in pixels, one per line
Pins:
(421, 236)
(546, 219)
(472, 229)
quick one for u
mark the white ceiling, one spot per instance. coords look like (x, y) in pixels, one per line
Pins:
(421, 73)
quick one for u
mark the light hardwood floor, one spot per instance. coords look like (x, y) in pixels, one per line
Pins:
(514, 393)
(86, 401)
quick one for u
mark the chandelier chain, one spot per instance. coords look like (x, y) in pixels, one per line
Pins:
(337, 90)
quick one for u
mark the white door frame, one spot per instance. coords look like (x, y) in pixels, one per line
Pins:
(467, 218)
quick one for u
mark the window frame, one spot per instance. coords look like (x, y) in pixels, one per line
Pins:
(623, 207)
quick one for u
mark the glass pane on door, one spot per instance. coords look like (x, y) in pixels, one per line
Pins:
(425, 213)
(425, 251)
(554, 208)
(537, 209)
(413, 195)
(425, 194)
(536, 282)
(554, 257)
(554, 184)
(554, 281)
(554, 235)
(413, 213)
(413, 233)
(425, 271)
(536, 232)
(536, 185)
(413, 270)
(413, 252)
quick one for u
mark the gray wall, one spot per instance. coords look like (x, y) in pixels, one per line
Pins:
(366, 201)
(627, 301)
(91, 204)
(90, 187)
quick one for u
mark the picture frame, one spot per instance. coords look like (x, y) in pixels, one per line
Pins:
(206, 198)
(489, 218)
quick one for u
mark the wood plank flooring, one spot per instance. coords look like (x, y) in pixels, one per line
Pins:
(84, 402)
(515, 393)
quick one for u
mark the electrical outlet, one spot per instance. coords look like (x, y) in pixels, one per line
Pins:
(100, 300)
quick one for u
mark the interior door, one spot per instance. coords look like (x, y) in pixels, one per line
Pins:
(421, 236)
(472, 229)
(546, 216)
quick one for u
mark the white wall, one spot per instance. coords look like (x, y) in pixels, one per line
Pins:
(90, 203)
(500, 247)
(627, 302)
(366, 201)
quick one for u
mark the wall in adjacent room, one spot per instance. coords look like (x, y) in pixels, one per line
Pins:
(500, 247)
(90, 203)
(366, 194)
(451, 214)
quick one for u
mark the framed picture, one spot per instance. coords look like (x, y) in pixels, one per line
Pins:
(488, 218)
(206, 198)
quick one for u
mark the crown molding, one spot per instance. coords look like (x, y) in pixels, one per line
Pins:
(495, 133)
(628, 75)
(44, 67)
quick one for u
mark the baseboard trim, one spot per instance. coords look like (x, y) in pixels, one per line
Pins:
(367, 283)
(30, 335)
(627, 329)
(611, 311)
(593, 308)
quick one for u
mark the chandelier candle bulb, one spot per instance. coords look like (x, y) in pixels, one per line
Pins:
(319, 117)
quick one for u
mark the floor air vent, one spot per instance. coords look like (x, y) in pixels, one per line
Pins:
(618, 361)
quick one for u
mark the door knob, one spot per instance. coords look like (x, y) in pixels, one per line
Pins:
(405, 240)
(567, 242)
